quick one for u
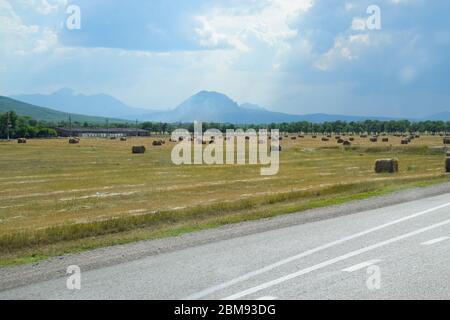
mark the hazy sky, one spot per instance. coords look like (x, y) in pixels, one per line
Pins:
(303, 56)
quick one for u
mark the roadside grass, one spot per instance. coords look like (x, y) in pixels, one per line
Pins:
(56, 199)
(28, 248)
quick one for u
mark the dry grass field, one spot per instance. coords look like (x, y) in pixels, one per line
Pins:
(57, 198)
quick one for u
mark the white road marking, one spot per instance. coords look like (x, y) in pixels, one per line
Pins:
(252, 274)
(332, 261)
(267, 298)
(430, 242)
(361, 265)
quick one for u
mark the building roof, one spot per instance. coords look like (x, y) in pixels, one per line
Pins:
(101, 130)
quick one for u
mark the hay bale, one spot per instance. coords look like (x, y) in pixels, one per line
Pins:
(74, 140)
(363, 136)
(113, 138)
(446, 140)
(347, 143)
(447, 165)
(301, 136)
(374, 139)
(123, 139)
(352, 139)
(314, 137)
(337, 137)
(340, 140)
(385, 140)
(21, 140)
(386, 165)
(404, 141)
(293, 138)
(138, 149)
(325, 139)
(157, 143)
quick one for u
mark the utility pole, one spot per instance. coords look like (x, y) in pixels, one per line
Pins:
(70, 124)
(107, 127)
(8, 125)
(137, 127)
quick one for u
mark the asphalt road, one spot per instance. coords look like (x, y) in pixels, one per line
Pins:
(400, 251)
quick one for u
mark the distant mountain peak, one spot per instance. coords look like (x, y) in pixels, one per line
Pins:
(64, 92)
(208, 101)
(210, 95)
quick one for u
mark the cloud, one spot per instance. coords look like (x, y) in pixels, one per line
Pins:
(292, 56)
(44, 7)
(19, 38)
(268, 22)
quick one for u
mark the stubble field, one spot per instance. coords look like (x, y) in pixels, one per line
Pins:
(57, 198)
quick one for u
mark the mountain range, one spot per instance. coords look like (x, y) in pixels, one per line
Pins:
(207, 106)
(66, 100)
(46, 114)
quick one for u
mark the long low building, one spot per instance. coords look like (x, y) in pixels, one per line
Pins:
(101, 132)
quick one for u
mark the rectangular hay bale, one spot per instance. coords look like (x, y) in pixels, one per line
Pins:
(138, 149)
(386, 165)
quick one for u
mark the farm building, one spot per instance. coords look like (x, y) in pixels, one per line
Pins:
(101, 132)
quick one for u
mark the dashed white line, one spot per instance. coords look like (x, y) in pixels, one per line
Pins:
(332, 261)
(433, 241)
(267, 268)
(361, 265)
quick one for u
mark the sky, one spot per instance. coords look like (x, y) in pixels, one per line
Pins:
(294, 56)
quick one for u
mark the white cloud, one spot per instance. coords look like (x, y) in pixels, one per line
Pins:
(358, 24)
(19, 38)
(235, 26)
(44, 7)
(345, 48)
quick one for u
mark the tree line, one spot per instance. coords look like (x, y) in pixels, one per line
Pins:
(22, 126)
(367, 126)
(14, 126)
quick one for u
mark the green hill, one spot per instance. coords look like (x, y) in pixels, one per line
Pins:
(46, 114)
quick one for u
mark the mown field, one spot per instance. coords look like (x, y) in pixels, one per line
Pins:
(57, 198)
